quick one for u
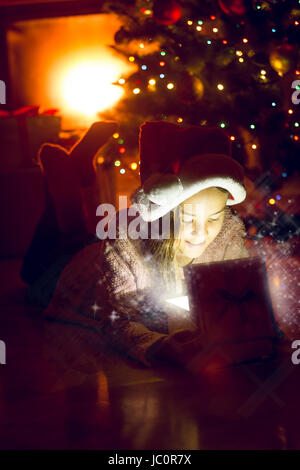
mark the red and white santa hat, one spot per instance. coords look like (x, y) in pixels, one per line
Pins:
(177, 162)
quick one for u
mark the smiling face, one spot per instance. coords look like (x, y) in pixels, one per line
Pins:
(202, 217)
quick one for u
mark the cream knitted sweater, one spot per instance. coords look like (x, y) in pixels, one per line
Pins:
(109, 287)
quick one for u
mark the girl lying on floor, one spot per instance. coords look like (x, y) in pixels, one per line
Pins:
(119, 286)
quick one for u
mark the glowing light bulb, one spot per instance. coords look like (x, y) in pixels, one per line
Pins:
(239, 53)
(133, 166)
(122, 171)
(142, 45)
(232, 137)
(100, 160)
(170, 86)
(272, 201)
(290, 111)
(220, 86)
(245, 40)
(199, 28)
(254, 146)
(152, 81)
(136, 91)
(131, 58)
(116, 135)
(121, 81)
(215, 30)
(241, 59)
(189, 22)
(179, 119)
(117, 163)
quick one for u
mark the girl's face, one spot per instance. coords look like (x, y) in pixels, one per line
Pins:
(202, 217)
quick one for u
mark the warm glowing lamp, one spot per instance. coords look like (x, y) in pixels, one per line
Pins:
(87, 86)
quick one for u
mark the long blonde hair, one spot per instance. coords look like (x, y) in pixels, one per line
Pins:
(163, 251)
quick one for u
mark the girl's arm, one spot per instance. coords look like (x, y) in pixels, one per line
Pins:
(133, 319)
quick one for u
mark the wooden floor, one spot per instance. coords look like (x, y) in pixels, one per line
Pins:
(60, 389)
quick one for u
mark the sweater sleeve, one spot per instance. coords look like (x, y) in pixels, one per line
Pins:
(132, 321)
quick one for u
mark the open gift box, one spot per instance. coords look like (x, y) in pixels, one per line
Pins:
(231, 305)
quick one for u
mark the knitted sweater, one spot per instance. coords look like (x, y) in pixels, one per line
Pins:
(110, 287)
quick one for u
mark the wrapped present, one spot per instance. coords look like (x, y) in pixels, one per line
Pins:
(232, 307)
(21, 134)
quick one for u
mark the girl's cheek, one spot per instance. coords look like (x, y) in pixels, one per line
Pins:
(186, 231)
(217, 229)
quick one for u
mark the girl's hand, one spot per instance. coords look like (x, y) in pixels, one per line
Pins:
(177, 348)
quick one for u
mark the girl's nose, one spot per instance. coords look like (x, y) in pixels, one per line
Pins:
(199, 232)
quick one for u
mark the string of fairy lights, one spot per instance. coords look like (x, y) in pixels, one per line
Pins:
(243, 53)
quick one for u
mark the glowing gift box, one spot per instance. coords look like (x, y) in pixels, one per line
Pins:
(231, 305)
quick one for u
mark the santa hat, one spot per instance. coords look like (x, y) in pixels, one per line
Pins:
(177, 162)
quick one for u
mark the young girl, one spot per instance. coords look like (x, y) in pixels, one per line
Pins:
(120, 286)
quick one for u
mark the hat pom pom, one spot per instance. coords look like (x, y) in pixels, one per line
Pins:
(162, 188)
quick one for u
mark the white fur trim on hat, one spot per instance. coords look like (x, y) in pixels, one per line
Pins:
(164, 192)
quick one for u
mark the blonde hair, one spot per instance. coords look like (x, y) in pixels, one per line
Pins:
(163, 251)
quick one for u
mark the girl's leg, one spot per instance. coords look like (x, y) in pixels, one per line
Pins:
(83, 152)
(64, 189)
(45, 239)
(62, 229)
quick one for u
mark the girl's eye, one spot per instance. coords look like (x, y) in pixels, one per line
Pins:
(213, 220)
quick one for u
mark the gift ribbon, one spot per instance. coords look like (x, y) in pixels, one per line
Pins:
(21, 115)
(238, 300)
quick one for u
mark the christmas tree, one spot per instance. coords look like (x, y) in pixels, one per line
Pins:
(228, 63)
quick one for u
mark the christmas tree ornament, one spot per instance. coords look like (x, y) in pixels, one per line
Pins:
(282, 58)
(233, 7)
(166, 12)
(189, 89)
